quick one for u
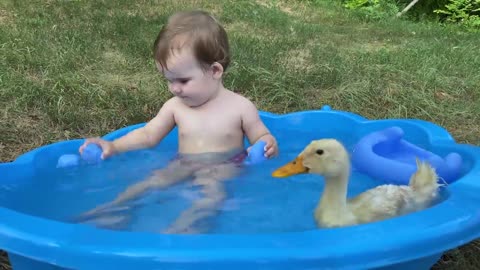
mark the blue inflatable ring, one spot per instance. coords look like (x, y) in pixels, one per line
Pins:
(387, 156)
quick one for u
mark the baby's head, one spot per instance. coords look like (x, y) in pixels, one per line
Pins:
(192, 51)
(197, 31)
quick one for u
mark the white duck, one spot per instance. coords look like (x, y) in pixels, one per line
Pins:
(329, 158)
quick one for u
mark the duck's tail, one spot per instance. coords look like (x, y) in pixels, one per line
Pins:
(424, 183)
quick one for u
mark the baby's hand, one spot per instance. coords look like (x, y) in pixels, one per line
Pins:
(271, 148)
(108, 149)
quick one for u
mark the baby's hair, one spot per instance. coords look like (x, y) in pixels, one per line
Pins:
(198, 31)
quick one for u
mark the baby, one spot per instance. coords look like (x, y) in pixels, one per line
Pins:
(192, 52)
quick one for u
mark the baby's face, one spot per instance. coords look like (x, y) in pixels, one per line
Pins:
(187, 80)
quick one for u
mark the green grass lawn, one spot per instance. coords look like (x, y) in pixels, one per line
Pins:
(71, 69)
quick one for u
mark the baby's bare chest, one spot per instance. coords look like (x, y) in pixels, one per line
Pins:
(212, 123)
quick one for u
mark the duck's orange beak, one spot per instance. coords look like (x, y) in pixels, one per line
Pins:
(291, 168)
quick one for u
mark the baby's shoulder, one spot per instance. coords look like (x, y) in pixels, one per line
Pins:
(172, 103)
(172, 106)
(240, 99)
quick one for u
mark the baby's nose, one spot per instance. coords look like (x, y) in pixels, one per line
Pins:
(176, 89)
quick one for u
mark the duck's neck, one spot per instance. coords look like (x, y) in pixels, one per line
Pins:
(334, 198)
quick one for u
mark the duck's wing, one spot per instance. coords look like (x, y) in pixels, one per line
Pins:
(380, 203)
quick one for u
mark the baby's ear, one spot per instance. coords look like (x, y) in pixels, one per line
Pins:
(217, 70)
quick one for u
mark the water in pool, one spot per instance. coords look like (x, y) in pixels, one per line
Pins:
(256, 202)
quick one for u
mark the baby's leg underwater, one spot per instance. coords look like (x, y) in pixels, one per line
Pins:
(213, 189)
(161, 179)
(204, 207)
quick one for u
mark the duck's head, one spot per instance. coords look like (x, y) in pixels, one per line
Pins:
(326, 157)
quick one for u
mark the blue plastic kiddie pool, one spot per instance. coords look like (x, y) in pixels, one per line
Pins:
(37, 231)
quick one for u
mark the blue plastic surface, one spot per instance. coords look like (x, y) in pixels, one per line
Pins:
(413, 241)
(387, 156)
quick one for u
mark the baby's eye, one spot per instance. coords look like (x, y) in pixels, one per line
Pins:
(183, 81)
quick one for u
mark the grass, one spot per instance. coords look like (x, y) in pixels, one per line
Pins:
(76, 68)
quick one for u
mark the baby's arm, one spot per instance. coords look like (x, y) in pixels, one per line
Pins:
(147, 136)
(255, 129)
(150, 134)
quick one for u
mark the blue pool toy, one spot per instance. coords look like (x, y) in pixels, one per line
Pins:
(256, 154)
(92, 154)
(387, 156)
(68, 161)
(35, 239)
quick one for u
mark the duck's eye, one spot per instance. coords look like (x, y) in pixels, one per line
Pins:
(319, 152)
